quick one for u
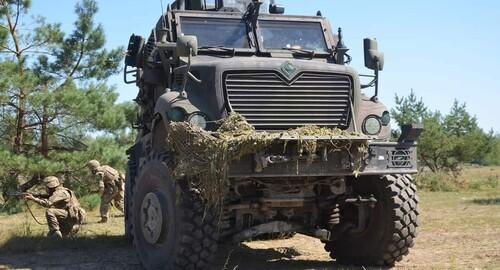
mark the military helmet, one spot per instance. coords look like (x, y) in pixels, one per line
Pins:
(93, 164)
(51, 182)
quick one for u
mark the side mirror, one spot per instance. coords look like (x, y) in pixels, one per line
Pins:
(135, 45)
(276, 9)
(374, 59)
(186, 46)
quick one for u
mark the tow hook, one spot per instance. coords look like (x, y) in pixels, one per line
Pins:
(363, 204)
(262, 161)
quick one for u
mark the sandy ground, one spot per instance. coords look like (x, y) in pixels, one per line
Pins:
(458, 231)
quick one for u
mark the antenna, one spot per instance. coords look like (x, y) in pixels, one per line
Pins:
(164, 23)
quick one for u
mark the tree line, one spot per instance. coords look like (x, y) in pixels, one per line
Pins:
(449, 140)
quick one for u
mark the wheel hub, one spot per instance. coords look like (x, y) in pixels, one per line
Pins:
(151, 218)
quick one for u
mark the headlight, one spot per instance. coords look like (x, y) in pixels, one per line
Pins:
(372, 125)
(176, 114)
(198, 119)
(386, 118)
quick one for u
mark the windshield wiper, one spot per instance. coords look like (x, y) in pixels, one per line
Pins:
(309, 53)
(222, 49)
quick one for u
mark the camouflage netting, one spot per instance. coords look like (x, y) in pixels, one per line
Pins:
(204, 156)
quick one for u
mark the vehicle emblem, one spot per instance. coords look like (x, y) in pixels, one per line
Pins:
(288, 69)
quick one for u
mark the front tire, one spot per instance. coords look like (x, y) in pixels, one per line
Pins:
(129, 186)
(392, 226)
(172, 229)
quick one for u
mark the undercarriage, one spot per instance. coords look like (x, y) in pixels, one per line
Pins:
(279, 191)
(309, 205)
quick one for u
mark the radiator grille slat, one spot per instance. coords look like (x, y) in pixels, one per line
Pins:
(269, 102)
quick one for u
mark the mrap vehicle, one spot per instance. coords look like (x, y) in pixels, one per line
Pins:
(204, 61)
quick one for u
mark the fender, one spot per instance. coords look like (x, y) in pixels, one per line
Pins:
(170, 100)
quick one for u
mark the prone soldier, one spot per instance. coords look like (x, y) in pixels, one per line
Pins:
(111, 187)
(63, 209)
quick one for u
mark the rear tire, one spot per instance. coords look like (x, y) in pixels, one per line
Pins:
(180, 233)
(392, 226)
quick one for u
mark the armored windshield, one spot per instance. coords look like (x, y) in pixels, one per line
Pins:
(213, 32)
(277, 35)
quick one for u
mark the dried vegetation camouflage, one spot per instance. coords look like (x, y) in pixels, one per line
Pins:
(203, 156)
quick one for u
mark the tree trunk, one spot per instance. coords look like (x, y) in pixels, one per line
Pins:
(21, 99)
(20, 123)
(44, 149)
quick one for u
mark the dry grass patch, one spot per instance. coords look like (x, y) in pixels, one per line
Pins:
(458, 230)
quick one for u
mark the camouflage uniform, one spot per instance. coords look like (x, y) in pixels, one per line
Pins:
(111, 186)
(63, 211)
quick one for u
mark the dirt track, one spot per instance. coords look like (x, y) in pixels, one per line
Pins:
(458, 231)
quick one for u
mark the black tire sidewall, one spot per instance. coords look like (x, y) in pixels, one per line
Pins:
(391, 229)
(155, 178)
(127, 207)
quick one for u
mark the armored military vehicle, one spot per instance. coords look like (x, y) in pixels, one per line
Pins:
(205, 60)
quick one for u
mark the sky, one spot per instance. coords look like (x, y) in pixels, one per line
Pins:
(443, 50)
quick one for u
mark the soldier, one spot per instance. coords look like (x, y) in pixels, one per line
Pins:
(63, 209)
(111, 187)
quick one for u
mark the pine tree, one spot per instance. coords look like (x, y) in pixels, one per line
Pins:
(409, 109)
(53, 94)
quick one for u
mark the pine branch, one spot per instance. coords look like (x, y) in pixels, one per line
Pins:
(32, 125)
(8, 49)
(80, 57)
(40, 52)
(18, 12)
(13, 105)
(36, 45)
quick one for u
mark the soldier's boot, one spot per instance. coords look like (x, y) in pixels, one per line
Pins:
(103, 220)
(55, 234)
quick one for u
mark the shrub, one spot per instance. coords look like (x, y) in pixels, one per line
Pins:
(492, 182)
(90, 202)
(439, 181)
(12, 206)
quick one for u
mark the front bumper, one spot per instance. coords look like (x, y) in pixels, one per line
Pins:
(380, 158)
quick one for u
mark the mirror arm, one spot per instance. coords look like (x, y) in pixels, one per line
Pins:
(376, 83)
(188, 74)
(371, 83)
(191, 75)
(184, 80)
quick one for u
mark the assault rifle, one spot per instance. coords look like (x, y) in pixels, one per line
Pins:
(18, 194)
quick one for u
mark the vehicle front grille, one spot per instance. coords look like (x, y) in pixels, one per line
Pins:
(400, 159)
(270, 102)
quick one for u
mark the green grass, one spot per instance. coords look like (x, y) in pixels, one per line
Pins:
(20, 233)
